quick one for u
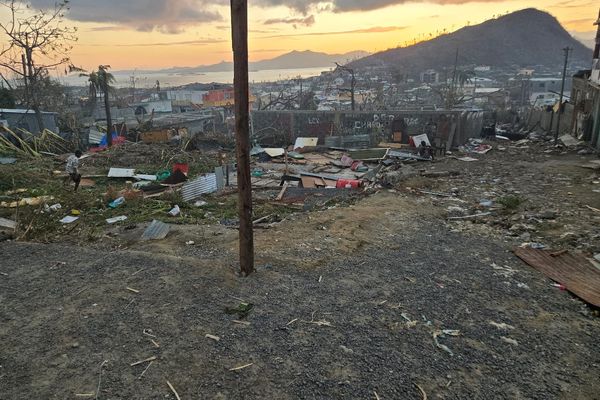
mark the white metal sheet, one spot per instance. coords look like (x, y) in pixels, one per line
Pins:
(121, 173)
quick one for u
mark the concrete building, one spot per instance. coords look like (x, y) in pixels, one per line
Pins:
(26, 119)
(430, 76)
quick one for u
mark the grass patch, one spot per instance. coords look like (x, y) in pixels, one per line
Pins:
(511, 202)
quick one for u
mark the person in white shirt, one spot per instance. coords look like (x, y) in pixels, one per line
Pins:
(72, 168)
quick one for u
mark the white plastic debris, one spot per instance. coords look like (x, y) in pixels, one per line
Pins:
(175, 211)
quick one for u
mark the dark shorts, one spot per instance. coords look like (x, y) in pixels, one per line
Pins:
(75, 177)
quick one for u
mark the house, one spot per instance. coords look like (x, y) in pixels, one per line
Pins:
(430, 76)
(585, 98)
(27, 120)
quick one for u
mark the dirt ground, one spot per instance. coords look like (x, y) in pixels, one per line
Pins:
(383, 298)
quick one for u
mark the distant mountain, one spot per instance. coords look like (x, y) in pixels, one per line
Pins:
(294, 59)
(528, 37)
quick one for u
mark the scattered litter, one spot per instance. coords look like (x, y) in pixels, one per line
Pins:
(213, 337)
(146, 369)
(467, 159)
(142, 177)
(509, 340)
(7, 160)
(569, 140)
(7, 223)
(196, 188)
(69, 219)
(175, 178)
(27, 201)
(114, 220)
(502, 326)
(303, 142)
(442, 333)
(117, 202)
(274, 152)
(200, 203)
(422, 392)
(149, 359)
(156, 230)
(471, 216)
(173, 390)
(175, 211)
(241, 367)
(121, 173)
(190, 243)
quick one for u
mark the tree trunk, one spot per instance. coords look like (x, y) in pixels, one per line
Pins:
(108, 118)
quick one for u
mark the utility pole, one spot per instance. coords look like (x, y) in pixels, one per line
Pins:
(239, 35)
(562, 90)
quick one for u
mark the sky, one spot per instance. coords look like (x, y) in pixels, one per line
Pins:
(152, 34)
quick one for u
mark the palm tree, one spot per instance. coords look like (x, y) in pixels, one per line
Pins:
(102, 81)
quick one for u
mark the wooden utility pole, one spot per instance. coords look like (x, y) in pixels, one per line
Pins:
(562, 91)
(239, 34)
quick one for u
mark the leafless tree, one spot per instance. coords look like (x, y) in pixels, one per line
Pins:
(35, 42)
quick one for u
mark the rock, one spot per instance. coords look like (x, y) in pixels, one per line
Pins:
(547, 214)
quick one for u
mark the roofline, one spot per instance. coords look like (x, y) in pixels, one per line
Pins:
(23, 111)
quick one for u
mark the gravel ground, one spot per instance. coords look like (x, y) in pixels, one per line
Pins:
(361, 326)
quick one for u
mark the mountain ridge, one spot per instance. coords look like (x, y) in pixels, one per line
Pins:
(290, 60)
(527, 37)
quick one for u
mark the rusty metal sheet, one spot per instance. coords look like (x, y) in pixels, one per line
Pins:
(573, 271)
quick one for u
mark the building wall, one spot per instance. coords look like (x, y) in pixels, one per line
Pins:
(29, 122)
(283, 127)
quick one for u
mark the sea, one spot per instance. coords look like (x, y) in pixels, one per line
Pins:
(145, 79)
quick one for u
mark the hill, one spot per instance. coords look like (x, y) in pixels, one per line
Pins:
(528, 37)
(293, 59)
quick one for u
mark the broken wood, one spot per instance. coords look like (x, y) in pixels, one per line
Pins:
(173, 390)
(146, 369)
(422, 392)
(143, 361)
(100, 378)
(291, 322)
(133, 290)
(593, 209)
(282, 193)
(235, 321)
(241, 367)
(155, 343)
(213, 337)
(471, 216)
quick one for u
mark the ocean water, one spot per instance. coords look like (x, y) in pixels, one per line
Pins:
(148, 80)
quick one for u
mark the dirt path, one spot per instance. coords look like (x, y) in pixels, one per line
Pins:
(347, 302)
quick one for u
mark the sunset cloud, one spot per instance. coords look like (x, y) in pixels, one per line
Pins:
(142, 15)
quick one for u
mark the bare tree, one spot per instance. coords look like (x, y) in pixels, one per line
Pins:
(36, 41)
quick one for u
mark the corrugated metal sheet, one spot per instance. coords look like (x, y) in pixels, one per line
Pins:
(156, 230)
(220, 176)
(196, 188)
(574, 271)
(95, 136)
(7, 160)
(302, 142)
(369, 154)
(121, 173)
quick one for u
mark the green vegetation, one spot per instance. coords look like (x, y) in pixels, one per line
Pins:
(511, 202)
